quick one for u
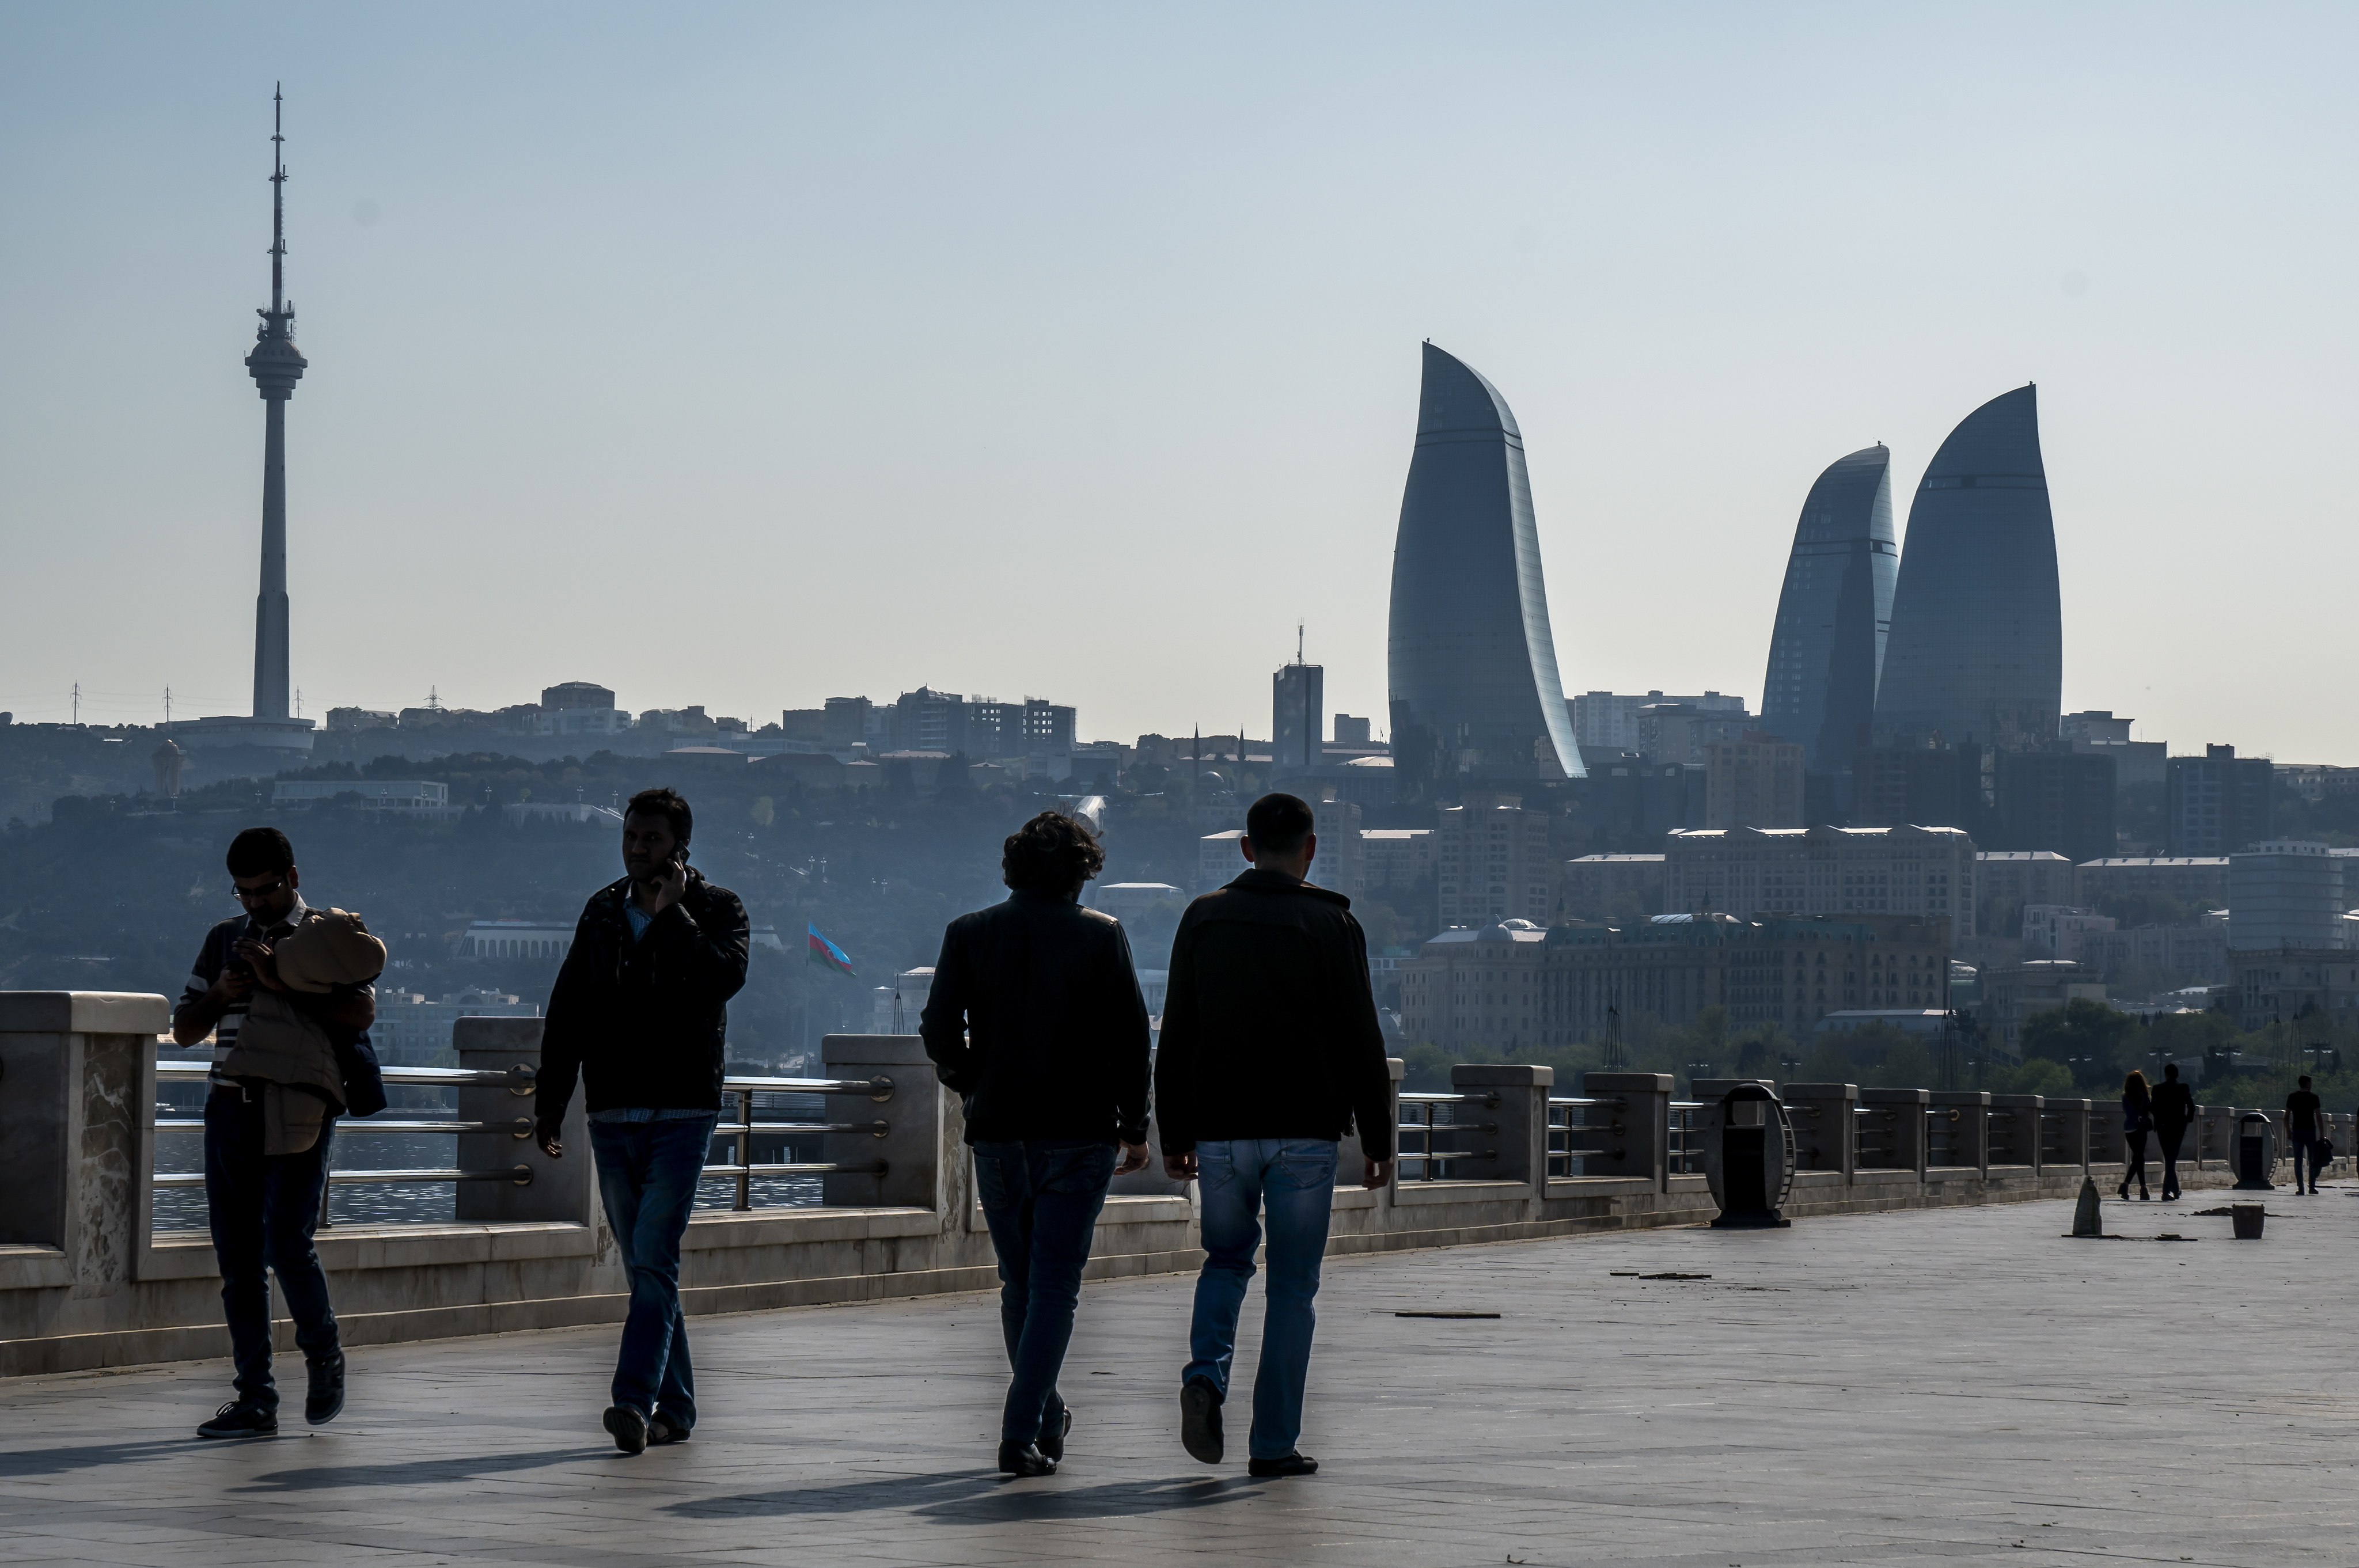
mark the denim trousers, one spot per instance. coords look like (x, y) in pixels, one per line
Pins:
(2168, 1136)
(1041, 1201)
(262, 1209)
(647, 1173)
(1293, 1180)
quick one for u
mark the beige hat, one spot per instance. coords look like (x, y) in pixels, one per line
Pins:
(331, 948)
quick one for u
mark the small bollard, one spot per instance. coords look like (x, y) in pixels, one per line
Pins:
(2087, 1214)
(2246, 1217)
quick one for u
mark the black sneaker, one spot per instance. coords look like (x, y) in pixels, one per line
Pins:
(1284, 1465)
(662, 1433)
(1199, 1421)
(1025, 1459)
(326, 1396)
(1053, 1436)
(241, 1418)
(629, 1427)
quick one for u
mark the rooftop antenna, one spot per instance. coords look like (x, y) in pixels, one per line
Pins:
(278, 315)
(1298, 641)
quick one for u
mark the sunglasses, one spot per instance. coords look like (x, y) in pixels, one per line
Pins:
(249, 894)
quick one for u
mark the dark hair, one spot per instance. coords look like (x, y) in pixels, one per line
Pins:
(1277, 824)
(2303, 1081)
(260, 850)
(2171, 1070)
(1051, 853)
(666, 803)
(2134, 1087)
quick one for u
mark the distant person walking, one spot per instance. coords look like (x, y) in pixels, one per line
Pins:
(2306, 1130)
(289, 1017)
(1270, 1053)
(640, 1009)
(2174, 1110)
(1036, 1021)
(2137, 1120)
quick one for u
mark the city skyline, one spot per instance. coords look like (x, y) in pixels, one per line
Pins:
(1138, 346)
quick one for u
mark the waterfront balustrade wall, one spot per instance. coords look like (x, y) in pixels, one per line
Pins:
(87, 1279)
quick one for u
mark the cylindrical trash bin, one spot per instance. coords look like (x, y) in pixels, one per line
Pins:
(1748, 1159)
(2246, 1217)
(2255, 1153)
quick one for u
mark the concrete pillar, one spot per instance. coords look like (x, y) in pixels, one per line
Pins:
(923, 1145)
(77, 1088)
(1634, 1114)
(2067, 1124)
(564, 1190)
(1823, 1114)
(1521, 1117)
(2015, 1123)
(1895, 1131)
(1967, 1113)
(2215, 1125)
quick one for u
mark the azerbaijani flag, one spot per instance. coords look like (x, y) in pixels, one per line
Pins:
(828, 956)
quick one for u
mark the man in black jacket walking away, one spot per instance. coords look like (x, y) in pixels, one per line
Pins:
(1270, 1053)
(1036, 1021)
(640, 1009)
(2174, 1110)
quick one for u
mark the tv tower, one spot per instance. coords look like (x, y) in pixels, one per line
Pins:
(275, 365)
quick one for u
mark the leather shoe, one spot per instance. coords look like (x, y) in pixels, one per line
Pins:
(1199, 1421)
(325, 1397)
(1284, 1465)
(662, 1433)
(629, 1427)
(1052, 1443)
(240, 1418)
(1025, 1459)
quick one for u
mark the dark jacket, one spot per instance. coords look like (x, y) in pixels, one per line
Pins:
(1035, 1019)
(1270, 1029)
(2174, 1103)
(643, 1021)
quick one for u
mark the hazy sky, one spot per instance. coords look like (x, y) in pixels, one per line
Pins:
(754, 355)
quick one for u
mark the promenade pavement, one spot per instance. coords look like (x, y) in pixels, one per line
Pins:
(1957, 1386)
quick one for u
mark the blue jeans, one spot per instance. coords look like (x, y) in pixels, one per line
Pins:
(263, 1208)
(647, 1173)
(1294, 1180)
(1041, 1201)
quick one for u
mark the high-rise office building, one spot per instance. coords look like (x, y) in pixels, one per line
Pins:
(1976, 650)
(1298, 712)
(1491, 858)
(1833, 612)
(2218, 803)
(1753, 781)
(2053, 799)
(1473, 662)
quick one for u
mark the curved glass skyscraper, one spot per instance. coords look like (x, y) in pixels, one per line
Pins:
(1474, 677)
(1977, 645)
(1833, 613)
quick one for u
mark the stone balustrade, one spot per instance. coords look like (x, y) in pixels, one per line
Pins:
(86, 1280)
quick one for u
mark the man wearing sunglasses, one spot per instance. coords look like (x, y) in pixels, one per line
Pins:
(263, 1206)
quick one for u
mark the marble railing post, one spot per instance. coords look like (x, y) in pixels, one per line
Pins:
(1824, 1133)
(1637, 1125)
(1521, 1117)
(2070, 1119)
(77, 1088)
(1351, 1154)
(922, 1147)
(563, 1189)
(1898, 1126)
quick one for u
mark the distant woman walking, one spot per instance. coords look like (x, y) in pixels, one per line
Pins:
(2137, 1120)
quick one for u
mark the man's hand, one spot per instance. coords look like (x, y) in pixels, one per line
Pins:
(544, 1132)
(265, 962)
(1376, 1173)
(1180, 1167)
(1134, 1158)
(660, 894)
(232, 986)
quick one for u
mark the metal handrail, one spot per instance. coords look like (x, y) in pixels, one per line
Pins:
(795, 1168)
(519, 1174)
(874, 1088)
(520, 1078)
(516, 1127)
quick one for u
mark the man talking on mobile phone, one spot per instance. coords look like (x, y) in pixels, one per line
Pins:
(640, 1009)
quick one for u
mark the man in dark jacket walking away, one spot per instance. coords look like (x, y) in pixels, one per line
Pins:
(1270, 1053)
(2174, 1110)
(1036, 1021)
(640, 1009)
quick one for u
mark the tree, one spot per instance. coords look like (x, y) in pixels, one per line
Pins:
(2093, 1041)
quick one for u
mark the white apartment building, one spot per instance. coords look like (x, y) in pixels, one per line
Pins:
(2061, 930)
(1491, 860)
(407, 796)
(1822, 870)
(1219, 861)
(1395, 858)
(1608, 722)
